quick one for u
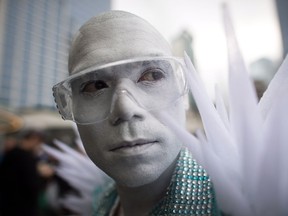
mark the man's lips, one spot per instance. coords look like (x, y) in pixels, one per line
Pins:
(136, 143)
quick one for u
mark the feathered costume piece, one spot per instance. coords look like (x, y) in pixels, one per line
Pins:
(243, 149)
(80, 172)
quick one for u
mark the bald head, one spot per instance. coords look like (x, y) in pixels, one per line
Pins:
(113, 36)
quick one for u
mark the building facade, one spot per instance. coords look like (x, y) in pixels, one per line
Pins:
(34, 42)
(282, 7)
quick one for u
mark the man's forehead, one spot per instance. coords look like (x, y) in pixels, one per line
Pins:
(101, 41)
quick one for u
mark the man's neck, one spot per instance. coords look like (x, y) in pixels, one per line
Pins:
(141, 200)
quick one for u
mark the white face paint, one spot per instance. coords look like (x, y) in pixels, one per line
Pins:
(132, 145)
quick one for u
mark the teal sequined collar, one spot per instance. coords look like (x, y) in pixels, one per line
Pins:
(189, 193)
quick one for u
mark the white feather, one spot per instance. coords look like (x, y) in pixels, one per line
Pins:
(79, 171)
(245, 156)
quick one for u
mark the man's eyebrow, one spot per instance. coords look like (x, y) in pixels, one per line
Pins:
(103, 72)
(150, 62)
(158, 62)
(165, 65)
(91, 75)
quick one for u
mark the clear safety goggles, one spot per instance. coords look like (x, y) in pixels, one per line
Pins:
(152, 83)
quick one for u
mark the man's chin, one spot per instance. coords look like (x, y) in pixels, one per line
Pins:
(134, 180)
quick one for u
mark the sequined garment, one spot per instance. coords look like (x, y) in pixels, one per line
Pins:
(189, 193)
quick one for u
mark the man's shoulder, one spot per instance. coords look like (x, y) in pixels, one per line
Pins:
(104, 198)
(190, 192)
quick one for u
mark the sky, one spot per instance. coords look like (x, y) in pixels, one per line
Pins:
(255, 22)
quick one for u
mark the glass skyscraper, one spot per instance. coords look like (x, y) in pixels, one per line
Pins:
(34, 42)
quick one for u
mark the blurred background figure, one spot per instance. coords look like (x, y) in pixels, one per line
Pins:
(9, 142)
(20, 179)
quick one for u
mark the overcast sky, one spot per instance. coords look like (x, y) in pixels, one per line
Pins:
(255, 21)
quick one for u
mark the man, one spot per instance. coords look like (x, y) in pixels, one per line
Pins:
(122, 74)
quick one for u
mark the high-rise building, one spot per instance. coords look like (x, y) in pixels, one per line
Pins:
(34, 42)
(282, 7)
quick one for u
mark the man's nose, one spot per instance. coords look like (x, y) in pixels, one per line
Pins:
(124, 107)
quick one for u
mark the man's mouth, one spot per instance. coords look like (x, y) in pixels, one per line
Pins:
(134, 145)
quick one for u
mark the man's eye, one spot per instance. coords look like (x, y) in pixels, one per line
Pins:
(152, 75)
(94, 86)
